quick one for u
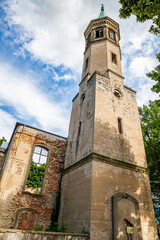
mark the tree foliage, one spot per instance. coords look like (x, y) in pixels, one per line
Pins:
(155, 75)
(36, 174)
(150, 122)
(143, 10)
(2, 140)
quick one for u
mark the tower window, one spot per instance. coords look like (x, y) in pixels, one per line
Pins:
(114, 58)
(99, 33)
(37, 170)
(112, 35)
(79, 128)
(117, 93)
(86, 63)
(120, 126)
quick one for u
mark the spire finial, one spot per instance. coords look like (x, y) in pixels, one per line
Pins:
(102, 7)
(102, 13)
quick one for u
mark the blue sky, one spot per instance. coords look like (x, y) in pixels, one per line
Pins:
(41, 54)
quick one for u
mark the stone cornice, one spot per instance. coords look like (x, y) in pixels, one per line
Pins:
(107, 160)
(109, 70)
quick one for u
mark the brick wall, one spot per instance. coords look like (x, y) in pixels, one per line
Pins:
(20, 209)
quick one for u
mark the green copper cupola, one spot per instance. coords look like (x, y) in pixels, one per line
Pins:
(102, 13)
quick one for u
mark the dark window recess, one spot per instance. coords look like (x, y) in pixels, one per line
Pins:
(117, 93)
(112, 35)
(79, 129)
(120, 127)
(86, 64)
(83, 97)
(37, 170)
(99, 33)
(114, 58)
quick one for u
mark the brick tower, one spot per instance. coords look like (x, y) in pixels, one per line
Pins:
(105, 186)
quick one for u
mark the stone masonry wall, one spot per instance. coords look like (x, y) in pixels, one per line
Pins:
(16, 204)
(30, 235)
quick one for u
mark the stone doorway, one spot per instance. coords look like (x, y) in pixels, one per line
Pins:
(125, 217)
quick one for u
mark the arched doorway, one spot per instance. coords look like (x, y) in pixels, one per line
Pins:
(125, 217)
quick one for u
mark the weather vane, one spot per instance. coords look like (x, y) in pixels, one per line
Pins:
(102, 7)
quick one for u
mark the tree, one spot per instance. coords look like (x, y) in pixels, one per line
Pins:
(150, 122)
(2, 140)
(155, 75)
(143, 10)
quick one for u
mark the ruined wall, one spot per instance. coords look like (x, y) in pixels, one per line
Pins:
(2, 155)
(108, 180)
(127, 146)
(16, 204)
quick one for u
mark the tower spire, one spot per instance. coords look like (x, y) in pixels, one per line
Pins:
(102, 13)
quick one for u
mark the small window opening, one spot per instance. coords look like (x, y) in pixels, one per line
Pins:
(120, 127)
(37, 170)
(117, 93)
(99, 33)
(79, 129)
(83, 97)
(112, 35)
(114, 58)
(86, 64)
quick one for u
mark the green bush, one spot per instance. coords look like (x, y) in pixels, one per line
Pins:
(56, 227)
(38, 227)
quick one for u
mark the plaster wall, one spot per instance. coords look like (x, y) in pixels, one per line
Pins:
(80, 141)
(76, 199)
(127, 146)
(107, 180)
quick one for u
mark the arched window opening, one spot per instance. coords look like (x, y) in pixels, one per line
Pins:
(37, 170)
(99, 32)
(112, 35)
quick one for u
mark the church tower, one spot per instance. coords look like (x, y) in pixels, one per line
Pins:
(105, 185)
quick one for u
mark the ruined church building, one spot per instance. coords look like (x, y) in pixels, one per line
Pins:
(100, 170)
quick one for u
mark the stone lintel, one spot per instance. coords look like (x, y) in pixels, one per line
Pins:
(107, 160)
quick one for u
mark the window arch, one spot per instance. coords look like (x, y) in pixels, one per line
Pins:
(37, 170)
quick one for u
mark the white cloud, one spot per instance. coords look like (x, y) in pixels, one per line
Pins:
(20, 92)
(145, 94)
(7, 123)
(141, 65)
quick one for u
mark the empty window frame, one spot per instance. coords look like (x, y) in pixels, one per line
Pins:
(37, 170)
(112, 35)
(120, 126)
(114, 58)
(99, 32)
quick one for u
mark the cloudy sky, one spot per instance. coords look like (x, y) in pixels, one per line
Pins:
(41, 53)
